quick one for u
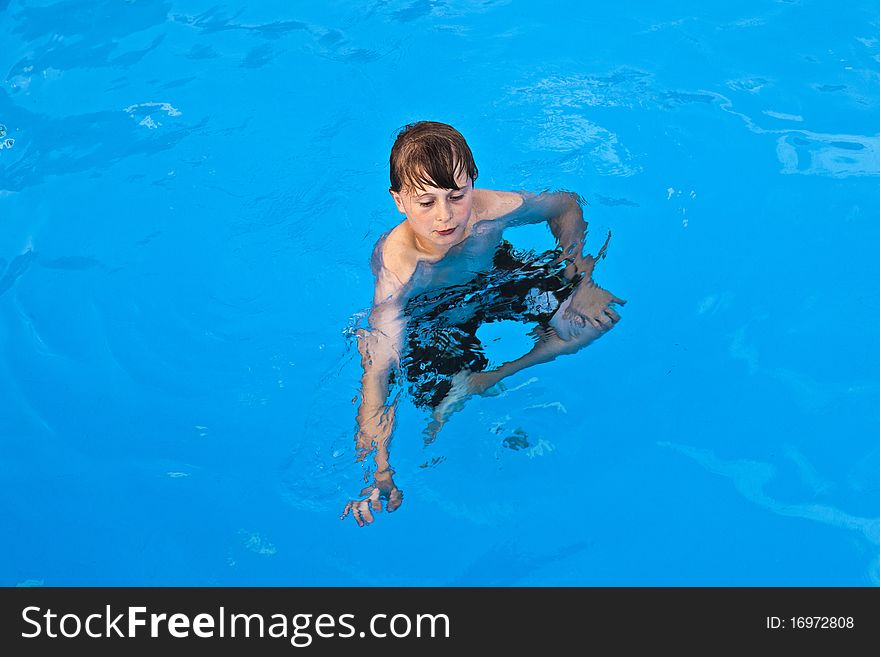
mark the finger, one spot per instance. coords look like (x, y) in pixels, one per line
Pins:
(613, 315)
(376, 504)
(366, 513)
(594, 322)
(345, 511)
(394, 500)
(617, 300)
(356, 514)
(362, 451)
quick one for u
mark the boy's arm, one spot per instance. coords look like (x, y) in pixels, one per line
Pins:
(588, 304)
(379, 345)
(563, 213)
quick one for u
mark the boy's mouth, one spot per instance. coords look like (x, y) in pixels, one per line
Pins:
(446, 232)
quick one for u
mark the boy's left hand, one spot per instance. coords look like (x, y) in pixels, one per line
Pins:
(591, 304)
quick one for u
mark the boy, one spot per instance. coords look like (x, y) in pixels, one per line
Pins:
(442, 272)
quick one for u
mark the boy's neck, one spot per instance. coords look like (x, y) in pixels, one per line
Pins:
(426, 248)
(430, 250)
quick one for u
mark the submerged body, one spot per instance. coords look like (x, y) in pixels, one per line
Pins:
(442, 272)
(441, 324)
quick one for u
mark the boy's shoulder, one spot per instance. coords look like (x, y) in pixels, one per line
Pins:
(393, 261)
(396, 251)
(490, 204)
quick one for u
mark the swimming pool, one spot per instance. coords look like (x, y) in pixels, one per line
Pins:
(189, 193)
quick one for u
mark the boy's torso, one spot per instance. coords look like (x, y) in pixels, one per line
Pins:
(416, 272)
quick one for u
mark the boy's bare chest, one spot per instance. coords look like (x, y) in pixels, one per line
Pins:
(461, 265)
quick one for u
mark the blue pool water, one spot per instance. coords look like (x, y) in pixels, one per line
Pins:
(189, 194)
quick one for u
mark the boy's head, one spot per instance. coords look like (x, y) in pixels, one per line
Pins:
(430, 154)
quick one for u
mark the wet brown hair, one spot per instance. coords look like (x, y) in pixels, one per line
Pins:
(428, 153)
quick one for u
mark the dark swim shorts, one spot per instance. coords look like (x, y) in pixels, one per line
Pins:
(442, 325)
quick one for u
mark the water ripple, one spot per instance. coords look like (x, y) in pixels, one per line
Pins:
(416, 10)
(69, 18)
(750, 478)
(16, 268)
(583, 142)
(624, 87)
(85, 142)
(216, 20)
(814, 153)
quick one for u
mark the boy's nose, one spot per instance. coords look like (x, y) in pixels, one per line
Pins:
(444, 212)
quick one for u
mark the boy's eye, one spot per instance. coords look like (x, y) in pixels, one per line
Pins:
(426, 204)
(457, 198)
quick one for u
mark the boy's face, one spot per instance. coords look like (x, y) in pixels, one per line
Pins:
(437, 216)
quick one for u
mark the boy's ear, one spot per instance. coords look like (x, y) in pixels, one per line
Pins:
(398, 201)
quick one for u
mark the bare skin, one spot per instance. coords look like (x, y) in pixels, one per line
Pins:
(468, 222)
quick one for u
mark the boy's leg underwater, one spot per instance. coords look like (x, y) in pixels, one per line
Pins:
(546, 349)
